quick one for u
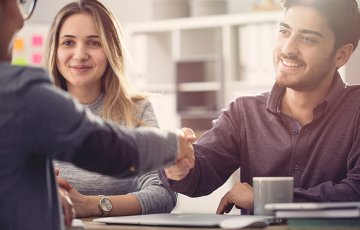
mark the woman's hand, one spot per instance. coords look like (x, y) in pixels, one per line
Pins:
(67, 206)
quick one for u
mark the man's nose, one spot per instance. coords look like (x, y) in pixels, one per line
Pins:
(290, 47)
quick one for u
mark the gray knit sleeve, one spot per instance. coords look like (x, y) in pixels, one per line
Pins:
(153, 195)
(146, 114)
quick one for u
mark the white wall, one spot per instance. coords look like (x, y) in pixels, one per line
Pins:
(124, 10)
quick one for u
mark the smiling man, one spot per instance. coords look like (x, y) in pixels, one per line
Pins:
(307, 127)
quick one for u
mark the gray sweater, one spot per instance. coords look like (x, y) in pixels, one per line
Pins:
(152, 195)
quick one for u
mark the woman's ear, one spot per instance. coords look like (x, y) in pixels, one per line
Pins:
(343, 54)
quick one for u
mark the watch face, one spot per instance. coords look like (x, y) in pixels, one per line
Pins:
(105, 204)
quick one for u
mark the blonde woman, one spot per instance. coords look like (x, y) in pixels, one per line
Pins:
(86, 57)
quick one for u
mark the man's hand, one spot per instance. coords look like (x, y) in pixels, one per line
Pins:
(241, 195)
(185, 159)
(67, 206)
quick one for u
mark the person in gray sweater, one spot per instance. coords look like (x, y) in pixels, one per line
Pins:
(90, 65)
(39, 123)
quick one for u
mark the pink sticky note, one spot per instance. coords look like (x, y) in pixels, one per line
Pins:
(37, 40)
(37, 58)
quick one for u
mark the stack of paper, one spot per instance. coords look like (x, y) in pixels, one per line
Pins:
(334, 214)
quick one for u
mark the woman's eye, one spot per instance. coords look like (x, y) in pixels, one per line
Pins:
(68, 43)
(94, 44)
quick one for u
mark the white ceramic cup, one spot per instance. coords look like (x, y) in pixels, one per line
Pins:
(271, 190)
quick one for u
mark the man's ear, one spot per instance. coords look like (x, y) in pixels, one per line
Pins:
(343, 55)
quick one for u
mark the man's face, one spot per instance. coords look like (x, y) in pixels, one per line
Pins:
(304, 51)
(11, 21)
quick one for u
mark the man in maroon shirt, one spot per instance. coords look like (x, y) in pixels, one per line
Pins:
(307, 127)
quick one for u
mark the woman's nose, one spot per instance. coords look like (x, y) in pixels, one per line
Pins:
(81, 53)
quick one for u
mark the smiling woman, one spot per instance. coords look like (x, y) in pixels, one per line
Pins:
(86, 56)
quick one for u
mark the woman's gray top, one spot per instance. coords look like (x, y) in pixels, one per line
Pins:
(152, 195)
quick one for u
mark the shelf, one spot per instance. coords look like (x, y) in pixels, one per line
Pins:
(211, 57)
(163, 88)
(199, 112)
(202, 22)
(199, 86)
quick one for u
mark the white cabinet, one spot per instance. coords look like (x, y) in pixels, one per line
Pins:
(204, 62)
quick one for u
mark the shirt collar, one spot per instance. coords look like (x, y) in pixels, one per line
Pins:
(277, 92)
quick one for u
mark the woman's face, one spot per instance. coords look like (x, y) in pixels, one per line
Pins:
(80, 59)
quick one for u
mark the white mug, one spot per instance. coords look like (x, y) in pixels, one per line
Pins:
(271, 190)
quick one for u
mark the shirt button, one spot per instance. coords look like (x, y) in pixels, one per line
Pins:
(296, 167)
(295, 132)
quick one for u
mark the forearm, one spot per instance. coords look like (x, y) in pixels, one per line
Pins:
(156, 199)
(126, 152)
(122, 205)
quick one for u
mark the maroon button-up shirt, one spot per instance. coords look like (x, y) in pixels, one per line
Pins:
(322, 156)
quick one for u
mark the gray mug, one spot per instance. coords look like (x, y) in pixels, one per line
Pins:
(271, 190)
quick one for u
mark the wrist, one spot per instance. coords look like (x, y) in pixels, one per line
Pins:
(92, 206)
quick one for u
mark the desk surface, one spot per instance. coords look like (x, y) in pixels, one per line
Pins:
(99, 226)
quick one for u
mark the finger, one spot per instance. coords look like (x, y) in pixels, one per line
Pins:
(179, 171)
(229, 208)
(246, 185)
(189, 154)
(64, 184)
(183, 166)
(189, 134)
(68, 210)
(57, 172)
(224, 202)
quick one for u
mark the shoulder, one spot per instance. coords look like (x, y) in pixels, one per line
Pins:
(143, 104)
(18, 78)
(145, 113)
(250, 102)
(352, 94)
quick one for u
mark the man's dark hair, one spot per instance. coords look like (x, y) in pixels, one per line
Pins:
(343, 17)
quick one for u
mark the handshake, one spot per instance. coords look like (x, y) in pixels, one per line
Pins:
(185, 159)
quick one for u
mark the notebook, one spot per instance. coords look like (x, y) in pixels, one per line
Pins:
(316, 210)
(189, 220)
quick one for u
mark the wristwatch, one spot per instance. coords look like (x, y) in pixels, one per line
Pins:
(105, 205)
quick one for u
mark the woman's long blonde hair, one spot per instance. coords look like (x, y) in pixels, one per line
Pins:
(119, 96)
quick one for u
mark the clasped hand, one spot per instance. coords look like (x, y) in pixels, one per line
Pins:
(186, 159)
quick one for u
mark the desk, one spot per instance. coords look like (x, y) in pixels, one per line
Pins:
(98, 226)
